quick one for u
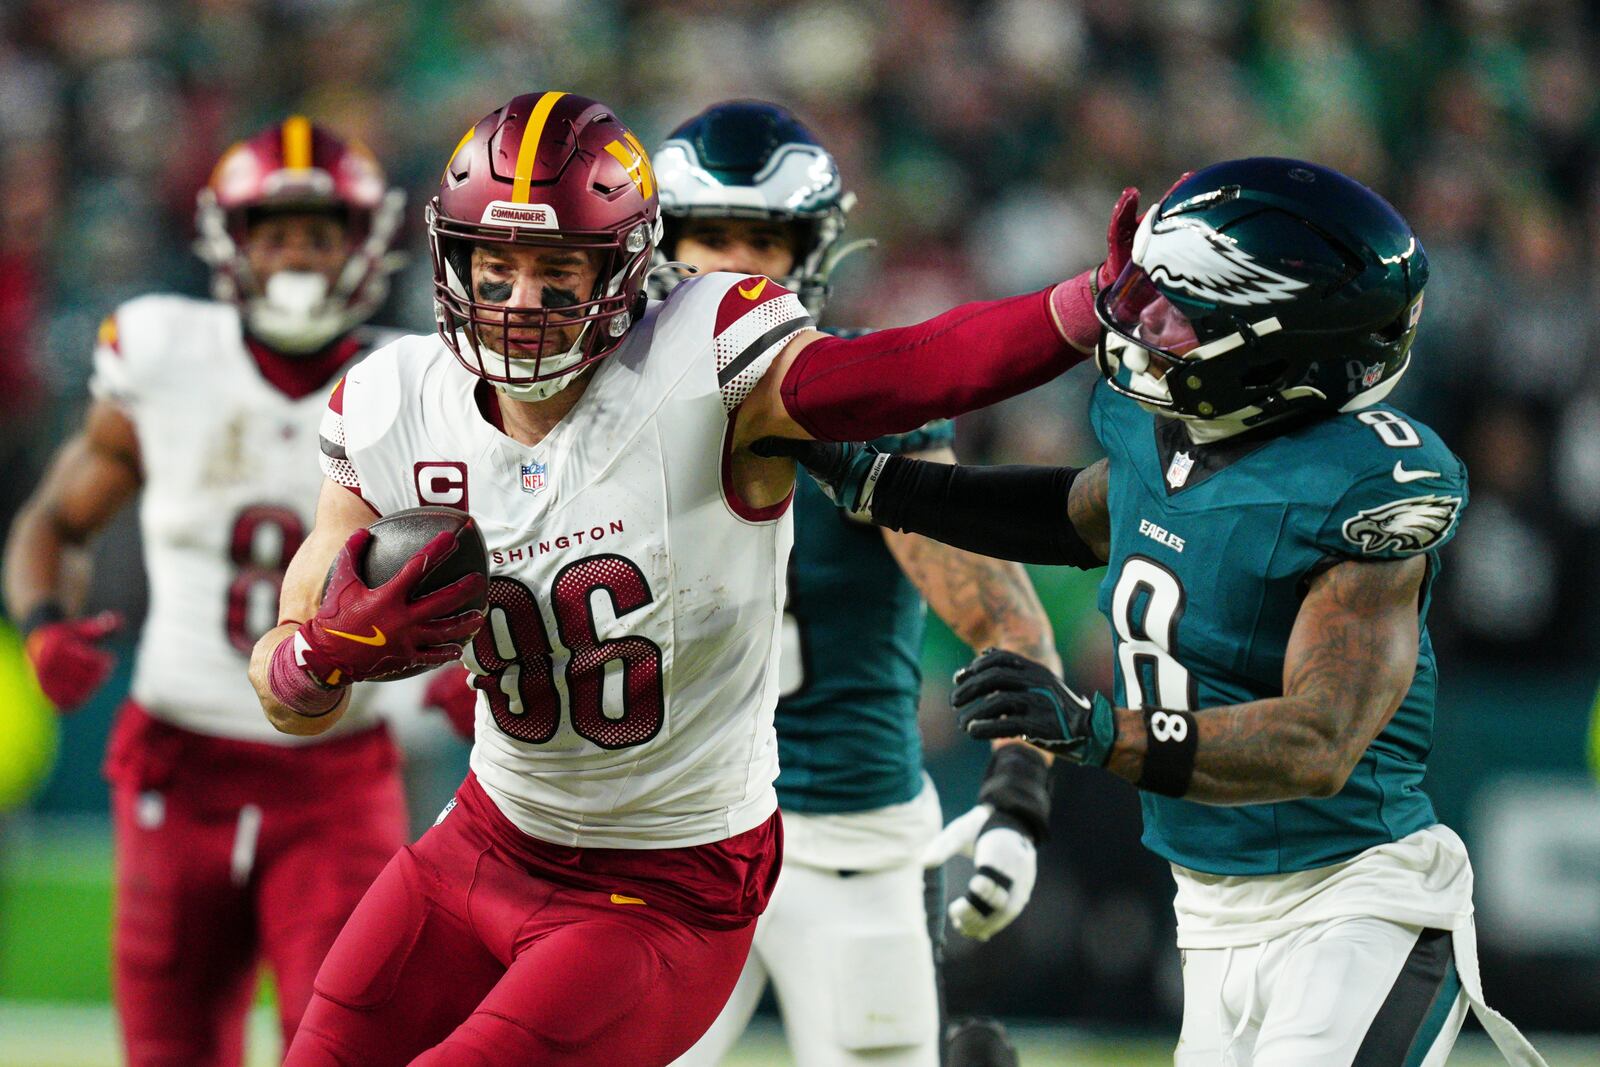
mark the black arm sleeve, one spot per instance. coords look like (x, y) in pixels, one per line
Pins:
(1014, 512)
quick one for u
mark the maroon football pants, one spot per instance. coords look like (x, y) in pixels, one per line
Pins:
(228, 854)
(479, 945)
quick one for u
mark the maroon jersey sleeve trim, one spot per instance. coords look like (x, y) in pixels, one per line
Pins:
(730, 493)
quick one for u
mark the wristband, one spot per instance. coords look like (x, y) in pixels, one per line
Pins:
(1017, 786)
(296, 690)
(43, 614)
(1171, 740)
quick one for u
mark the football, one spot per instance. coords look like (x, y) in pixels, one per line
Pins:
(399, 535)
(402, 534)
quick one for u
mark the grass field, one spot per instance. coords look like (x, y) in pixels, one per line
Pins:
(54, 990)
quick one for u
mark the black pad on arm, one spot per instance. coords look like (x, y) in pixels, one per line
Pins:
(1011, 512)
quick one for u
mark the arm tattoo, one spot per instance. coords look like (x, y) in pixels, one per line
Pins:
(988, 603)
(1351, 658)
(1089, 509)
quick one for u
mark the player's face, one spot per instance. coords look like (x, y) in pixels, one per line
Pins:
(743, 246)
(524, 277)
(306, 242)
(1161, 325)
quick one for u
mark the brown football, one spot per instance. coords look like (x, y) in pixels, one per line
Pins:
(400, 535)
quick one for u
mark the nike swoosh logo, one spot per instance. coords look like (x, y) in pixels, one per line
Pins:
(1403, 476)
(618, 898)
(754, 291)
(376, 640)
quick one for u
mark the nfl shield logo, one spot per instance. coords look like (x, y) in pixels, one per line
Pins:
(1178, 470)
(533, 477)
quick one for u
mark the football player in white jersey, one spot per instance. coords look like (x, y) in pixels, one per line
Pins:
(746, 187)
(235, 844)
(590, 895)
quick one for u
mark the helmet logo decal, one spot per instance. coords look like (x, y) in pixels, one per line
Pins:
(1188, 255)
(1415, 524)
(630, 153)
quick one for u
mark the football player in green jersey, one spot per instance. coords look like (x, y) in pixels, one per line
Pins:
(1271, 533)
(846, 941)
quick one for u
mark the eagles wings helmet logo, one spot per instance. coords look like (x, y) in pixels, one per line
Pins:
(1415, 524)
(1188, 255)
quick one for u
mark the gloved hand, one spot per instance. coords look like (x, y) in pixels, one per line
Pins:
(846, 472)
(362, 634)
(1002, 694)
(450, 692)
(68, 660)
(1000, 834)
(1072, 301)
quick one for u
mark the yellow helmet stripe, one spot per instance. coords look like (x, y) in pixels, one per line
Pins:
(531, 135)
(456, 151)
(297, 142)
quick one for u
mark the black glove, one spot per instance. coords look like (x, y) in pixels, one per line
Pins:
(845, 471)
(1002, 694)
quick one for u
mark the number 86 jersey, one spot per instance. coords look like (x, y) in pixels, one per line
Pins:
(627, 672)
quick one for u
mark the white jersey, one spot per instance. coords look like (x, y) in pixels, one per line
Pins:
(230, 489)
(628, 667)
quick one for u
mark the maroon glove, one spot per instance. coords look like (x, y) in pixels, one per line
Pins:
(450, 691)
(67, 659)
(1072, 302)
(362, 634)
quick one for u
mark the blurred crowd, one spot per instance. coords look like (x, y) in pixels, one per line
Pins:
(986, 141)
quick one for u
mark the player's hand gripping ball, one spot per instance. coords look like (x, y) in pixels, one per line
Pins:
(403, 596)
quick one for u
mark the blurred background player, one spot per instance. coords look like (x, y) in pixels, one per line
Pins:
(1271, 530)
(852, 939)
(235, 844)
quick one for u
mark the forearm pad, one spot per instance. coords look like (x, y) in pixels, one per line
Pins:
(1017, 786)
(893, 381)
(1014, 512)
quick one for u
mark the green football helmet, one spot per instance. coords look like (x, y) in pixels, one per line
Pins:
(746, 159)
(1263, 288)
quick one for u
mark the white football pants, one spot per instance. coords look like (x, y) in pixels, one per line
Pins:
(851, 963)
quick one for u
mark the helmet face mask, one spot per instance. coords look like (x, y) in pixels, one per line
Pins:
(548, 171)
(745, 159)
(298, 168)
(1260, 289)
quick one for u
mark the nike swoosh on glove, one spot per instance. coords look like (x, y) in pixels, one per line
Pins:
(845, 472)
(361, 633)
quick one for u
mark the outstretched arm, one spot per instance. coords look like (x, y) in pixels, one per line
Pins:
(892, 381)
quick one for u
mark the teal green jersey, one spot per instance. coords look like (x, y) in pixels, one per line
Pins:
(847, 717)
(1212, 550)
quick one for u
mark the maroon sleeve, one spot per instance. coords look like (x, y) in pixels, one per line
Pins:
(893, 381)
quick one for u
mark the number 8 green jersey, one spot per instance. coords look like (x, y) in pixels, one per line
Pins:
(1212, 550)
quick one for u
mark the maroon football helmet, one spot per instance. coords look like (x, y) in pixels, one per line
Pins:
(295, 165)
(549, 170)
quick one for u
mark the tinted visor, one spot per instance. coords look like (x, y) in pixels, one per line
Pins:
(1136, 311)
